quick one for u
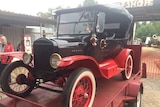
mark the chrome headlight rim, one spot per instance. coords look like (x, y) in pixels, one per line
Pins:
(54, 59)
(27, 58)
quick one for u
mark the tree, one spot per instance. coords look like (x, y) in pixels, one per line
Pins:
(156, 2)
(89, 2)
(145, 30)
(156, 24)
(44, 15)
(49, 13)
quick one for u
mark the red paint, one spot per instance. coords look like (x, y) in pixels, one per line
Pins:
(121, 57)
(133, 88)
(6, 59)
(12, 54)
(107, 68)
(80, 91)
(76, 61)
(110, 93)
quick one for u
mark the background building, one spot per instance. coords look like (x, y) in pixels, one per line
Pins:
(14, 26)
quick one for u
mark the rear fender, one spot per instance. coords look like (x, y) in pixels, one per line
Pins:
(133, 88)
(76, 61)
(120, 59)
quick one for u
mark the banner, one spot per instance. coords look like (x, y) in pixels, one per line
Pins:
(136, 3)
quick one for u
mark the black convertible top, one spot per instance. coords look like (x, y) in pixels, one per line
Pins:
(104, 8)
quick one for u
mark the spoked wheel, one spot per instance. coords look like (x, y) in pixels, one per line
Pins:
(17, 79)
(79, 91)
(126, 74)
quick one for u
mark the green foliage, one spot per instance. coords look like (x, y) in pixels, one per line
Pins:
(147, 30)
(89, 2)
(44, 15)
(156, 24)
(49, 13)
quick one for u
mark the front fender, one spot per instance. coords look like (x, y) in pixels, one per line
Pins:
(76, 61)
(18, 55)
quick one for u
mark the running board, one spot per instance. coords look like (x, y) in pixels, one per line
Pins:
(49, 89)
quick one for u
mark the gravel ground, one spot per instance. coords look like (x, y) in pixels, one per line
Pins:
(151, 95)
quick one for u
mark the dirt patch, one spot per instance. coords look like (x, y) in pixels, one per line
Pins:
(151, 56)
(151, 95)
(157, 62)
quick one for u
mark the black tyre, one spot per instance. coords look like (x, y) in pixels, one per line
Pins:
(149, 44)
(17, 79)
(137, 103)
(126, 74)
(80, 88)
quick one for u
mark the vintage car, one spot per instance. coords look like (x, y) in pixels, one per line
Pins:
(91, 42)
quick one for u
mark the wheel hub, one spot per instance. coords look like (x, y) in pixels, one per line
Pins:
(85, 95)
(80, 93)
(21, 79)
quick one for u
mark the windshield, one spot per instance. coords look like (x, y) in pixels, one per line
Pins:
(76, 23)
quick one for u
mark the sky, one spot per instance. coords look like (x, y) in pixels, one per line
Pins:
(32, 7)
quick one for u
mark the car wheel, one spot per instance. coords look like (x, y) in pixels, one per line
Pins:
(16, 79)
(126, 74)
(80, 88)
(137, 103)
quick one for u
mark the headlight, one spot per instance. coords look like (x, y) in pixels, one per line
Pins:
(54, 59)
(27, 58)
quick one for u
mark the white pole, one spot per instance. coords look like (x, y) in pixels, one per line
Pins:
(134, 31)
(40, 29)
